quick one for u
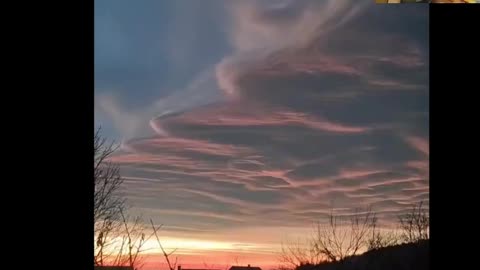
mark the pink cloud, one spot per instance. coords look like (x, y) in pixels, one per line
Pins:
(419, 164)
(358, 173)
(407, 61)
(234, 114)
(201, 146)
(304, 62)
(196, 213)
(145, 158)
(392, 84)
(419, 143)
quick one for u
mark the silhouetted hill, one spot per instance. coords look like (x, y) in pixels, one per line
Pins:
(413, 256)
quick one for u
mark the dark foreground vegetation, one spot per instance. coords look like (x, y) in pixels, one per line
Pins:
(411, 256)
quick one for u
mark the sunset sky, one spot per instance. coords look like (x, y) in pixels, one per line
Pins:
(243, 122)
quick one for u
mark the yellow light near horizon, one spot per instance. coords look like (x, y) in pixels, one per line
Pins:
(193, 244)
(183, 246)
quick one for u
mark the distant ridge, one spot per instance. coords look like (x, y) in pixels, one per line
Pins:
(413, 256)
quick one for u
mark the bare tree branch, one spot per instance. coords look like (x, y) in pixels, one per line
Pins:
(107, 203)
(165, 254)
(337, 241)
(415, 225)
(107, 181)
(298, 253)
(380, 239)
(119, 239)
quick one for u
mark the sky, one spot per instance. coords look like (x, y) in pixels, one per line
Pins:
(241, 123)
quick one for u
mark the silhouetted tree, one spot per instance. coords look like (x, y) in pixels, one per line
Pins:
(379, 239)
(108, 204)
(415, 225)
(332, 242)
(171, 266)
(122, 244)
(119, 238)
(132, 243)
(338, 241)
(103, 244)
(107, 180)
(298, 253)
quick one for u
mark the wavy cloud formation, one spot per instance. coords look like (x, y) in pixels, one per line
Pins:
(320, 104)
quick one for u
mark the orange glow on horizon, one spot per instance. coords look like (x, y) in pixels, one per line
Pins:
(218, 260)
(219, 255)
(208, 254)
